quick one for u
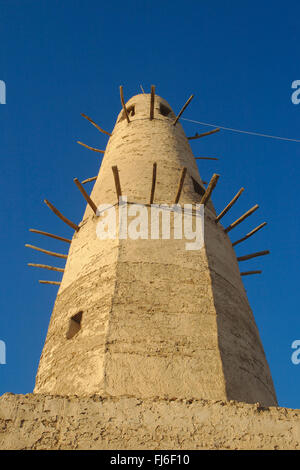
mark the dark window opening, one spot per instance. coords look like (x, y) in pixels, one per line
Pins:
(130, 111)
(164, 110)
(74, 325)
(197, 187)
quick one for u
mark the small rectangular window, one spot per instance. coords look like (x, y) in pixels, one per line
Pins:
(74, 325)
(164, 110)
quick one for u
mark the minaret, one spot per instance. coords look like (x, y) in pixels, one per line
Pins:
(147, 317)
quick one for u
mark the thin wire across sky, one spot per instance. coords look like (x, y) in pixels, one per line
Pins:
(242, 132)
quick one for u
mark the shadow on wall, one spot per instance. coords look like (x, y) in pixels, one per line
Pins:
(245, 368)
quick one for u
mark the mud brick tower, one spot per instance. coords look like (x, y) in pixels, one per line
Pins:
(147, 318)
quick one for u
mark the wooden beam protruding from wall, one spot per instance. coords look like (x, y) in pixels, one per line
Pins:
(88, 180)
(152, 98)
(51, 235)
(248, 273)
(62, 217)
(182, 109)
(250, 233)
(123, 104)
(45, 266)
(117, 181)
(211, 186)
(51, 253)
(153, 183)
(50, 282)
(224, 211)
(96, 125)
(85, 195)
(90, 148)
(198, 136)
(243, 217)
(253, 255)
(206, 158)
(180, 185)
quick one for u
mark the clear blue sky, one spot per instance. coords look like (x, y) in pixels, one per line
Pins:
(61, 58)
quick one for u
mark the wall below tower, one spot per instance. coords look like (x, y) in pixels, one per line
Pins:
(38, 421)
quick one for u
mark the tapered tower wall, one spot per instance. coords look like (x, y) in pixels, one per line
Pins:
(157, 320)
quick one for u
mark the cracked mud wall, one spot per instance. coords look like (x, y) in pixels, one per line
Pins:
(37, 421)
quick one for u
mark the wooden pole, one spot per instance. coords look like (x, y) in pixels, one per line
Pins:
(224, 211)
(250, 233)
(248, 273)
(85, 195)
(51, 253)
(210, 188)
(89, 180)
(206, 158)
(51, 268)
(198, 136)
(152, 102)
(243, 217)
(153, 183)
(117, 181)
(123, 104)
(50, 282)
(96, 125)
(253, 255)
(182, 109)
(180, 186)
(90, 148)
(62, 217)
(50, 235)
